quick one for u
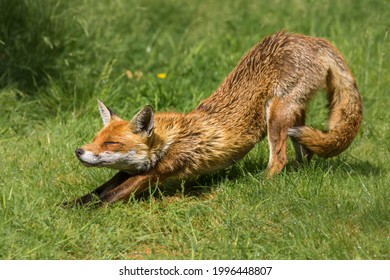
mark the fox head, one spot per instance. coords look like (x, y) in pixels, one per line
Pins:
(120, 144)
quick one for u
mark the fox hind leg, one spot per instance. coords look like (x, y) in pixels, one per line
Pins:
(278, 121)
(282, 114)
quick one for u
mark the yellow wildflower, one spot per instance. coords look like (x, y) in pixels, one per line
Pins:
(161, 75)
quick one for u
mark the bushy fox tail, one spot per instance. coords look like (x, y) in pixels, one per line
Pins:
(345, 113)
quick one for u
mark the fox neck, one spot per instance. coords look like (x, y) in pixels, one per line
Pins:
(159, 146)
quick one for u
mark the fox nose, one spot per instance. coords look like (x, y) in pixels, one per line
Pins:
(79, 152)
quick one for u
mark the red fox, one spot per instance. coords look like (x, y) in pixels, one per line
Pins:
(265, 95)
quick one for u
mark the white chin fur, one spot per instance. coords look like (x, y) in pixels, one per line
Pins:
(129, 161)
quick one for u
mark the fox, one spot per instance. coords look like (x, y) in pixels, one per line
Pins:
(265, 95)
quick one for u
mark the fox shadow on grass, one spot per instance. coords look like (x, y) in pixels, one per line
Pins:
(340, 165)
(205, 184)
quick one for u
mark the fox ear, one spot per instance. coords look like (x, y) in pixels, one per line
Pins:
(143, 121)
(105, 112)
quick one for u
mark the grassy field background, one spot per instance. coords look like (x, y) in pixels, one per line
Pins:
(57, 57)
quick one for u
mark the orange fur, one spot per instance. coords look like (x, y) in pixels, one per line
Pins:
(265, 95)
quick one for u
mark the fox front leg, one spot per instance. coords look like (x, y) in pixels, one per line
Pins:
(132, 186)
(114, 182)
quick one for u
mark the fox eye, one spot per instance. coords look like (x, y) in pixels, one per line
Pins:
(107, 143)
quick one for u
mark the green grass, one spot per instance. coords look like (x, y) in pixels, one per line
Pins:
(57, 58)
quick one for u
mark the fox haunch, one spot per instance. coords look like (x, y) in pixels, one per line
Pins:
(265, 95)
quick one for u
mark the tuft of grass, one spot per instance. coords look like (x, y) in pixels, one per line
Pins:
(56, 58)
